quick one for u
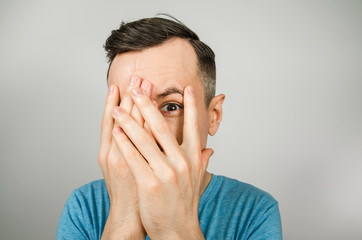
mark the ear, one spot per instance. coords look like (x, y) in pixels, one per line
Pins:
(215, 113)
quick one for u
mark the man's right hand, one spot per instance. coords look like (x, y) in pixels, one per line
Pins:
(123, 220)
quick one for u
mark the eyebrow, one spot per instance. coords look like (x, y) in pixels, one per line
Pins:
(169, 91)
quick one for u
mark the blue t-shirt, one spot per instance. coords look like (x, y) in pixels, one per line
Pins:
(228, 209)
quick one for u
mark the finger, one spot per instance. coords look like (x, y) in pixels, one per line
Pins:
(205, 157)
(148, 130)
(156, 122)
(126, 101)
(135, 161)
(146, 86)
(107, 122)
(136, 114)
(144, 143)
(191, 128)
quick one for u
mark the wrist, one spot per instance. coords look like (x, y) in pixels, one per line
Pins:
(194, 233)
(119, 226)
(124, 232)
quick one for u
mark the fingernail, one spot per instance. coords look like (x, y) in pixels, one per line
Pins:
(133, 81)
(191, 90)
(110, 89)
(137, 92)
(117, 111)
(145, 86)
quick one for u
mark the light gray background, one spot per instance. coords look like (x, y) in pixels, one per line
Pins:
(291, 72)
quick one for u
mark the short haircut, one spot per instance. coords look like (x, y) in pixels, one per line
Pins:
(150, 32)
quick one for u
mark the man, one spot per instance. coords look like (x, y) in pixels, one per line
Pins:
(160, 108)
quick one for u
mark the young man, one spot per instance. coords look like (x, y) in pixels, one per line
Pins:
(159, 111)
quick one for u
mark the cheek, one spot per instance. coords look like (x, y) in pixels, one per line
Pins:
(176, 125)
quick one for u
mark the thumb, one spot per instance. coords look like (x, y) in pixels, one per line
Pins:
(205, 157)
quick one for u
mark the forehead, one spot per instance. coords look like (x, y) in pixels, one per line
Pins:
(172, 64)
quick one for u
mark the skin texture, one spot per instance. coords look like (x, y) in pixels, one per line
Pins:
(155, 148)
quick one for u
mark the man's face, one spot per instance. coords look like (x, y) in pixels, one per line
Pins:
(170, 67)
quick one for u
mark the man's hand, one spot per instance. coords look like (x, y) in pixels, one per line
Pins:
(124, 219)
(169, 181)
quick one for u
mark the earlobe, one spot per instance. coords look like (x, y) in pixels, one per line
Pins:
(215, 113)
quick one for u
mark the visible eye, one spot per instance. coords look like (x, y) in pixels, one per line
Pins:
(171, 109)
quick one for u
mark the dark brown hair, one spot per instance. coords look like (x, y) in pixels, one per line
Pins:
(149, 32)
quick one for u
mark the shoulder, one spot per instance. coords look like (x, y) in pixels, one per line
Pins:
(230, 189)
(96, 187)
(92, 193)
(241, 209)
(85, 212)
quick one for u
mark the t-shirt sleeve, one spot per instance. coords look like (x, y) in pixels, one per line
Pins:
(72, 223)
(268, 226)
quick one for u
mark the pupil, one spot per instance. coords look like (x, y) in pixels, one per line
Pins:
(171, 107)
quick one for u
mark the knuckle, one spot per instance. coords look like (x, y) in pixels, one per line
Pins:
(110, 163)
(184, 167)
(169, 176)
(163, 127)
(143, 139)
(101, 157)
(100, 161)
(132, 154)
(123, 119)
(115, 163)
(150, 185)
